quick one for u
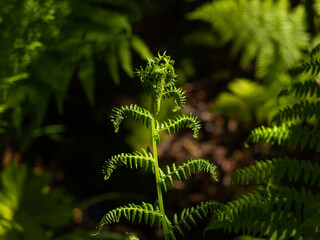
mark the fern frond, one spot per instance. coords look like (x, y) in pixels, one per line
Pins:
(286, 134)
(278, 212)
(177, 94)
(179, 122)
(274, 33)
(303, 110)
(157, 76)
(188, 215)
(147, 212)
(136, 160)
(270, 171)
(299, 89)
(119, 114)
(312, 65)
(190, 166)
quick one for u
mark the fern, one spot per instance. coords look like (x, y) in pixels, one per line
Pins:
(119, 114)
(177, 94)
(146, 212)
(158, 78)
(272, 171)
(267, 211)
(308, 88)
(190, 166)
(133, 160)
(179, 122)
(303, 110)
(298, 135)
(274, 34)
(285, 201)
(312, 65)
(188, 215)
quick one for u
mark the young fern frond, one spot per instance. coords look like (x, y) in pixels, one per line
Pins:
(119, 114)
(303, 110)
(147, 212)
(187, 168)
(179, 122)
(177, 94)
(299, 89)
(299, 135)
(135, 160)
(270, 171)
(188, 215)
(157, 76)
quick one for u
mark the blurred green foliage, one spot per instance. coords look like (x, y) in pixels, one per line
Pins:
(269, 37)
(46, 44)
(29, 207)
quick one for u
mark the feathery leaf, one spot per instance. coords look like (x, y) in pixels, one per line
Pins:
(132, 212)
(188, 215)
(179, 122)
(119, 114)
(187, 168)
(299, 135)
(136, 160)
(303, 110)
(177, 94)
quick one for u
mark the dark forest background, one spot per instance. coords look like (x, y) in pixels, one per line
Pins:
(65, 64)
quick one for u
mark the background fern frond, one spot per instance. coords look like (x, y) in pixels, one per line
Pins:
(274, 33)
(177, 94)
(271, 171)
(136, 160)
(119, 114)
(188, 215)
(179, 122)
(187, 168)
(299, 89)
(147, 212)
(299, 135)
(272, 212)
(312, 66)
(302, 110)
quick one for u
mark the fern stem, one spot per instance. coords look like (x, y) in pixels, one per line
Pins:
(157, 175)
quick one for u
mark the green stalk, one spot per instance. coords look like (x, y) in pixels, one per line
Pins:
(157, 175)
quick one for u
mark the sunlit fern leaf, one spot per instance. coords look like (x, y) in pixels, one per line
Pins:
(302, 110)
(188, 216)
(177, 94)
(272, 171)
(297, 135)
(158, 75)
(135, 160)
(308, 88)
(188, 168)
(179, 122)
(119, 114)
(145, 212)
